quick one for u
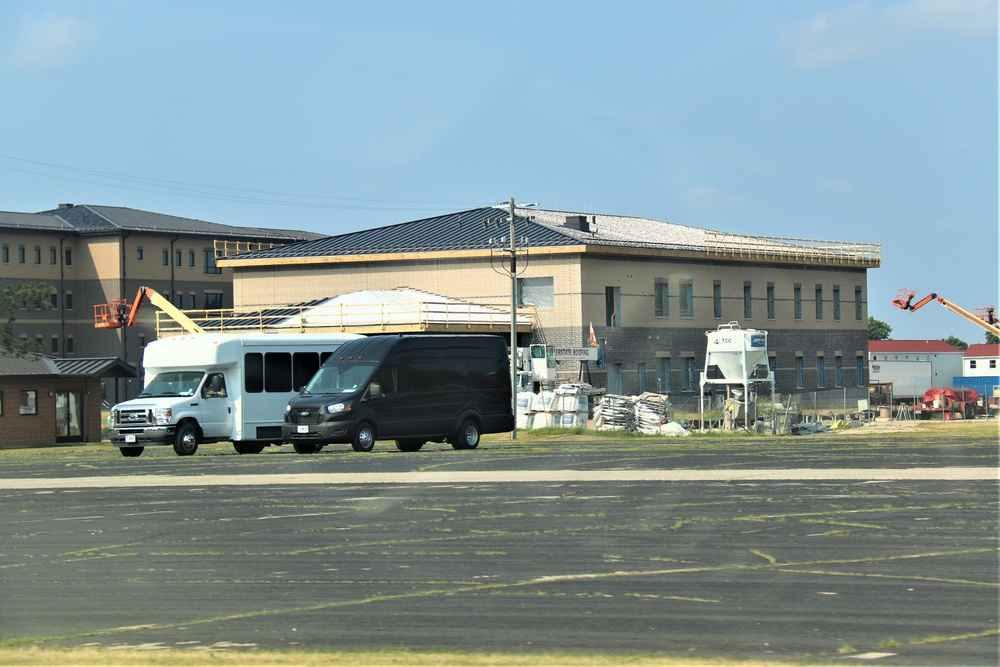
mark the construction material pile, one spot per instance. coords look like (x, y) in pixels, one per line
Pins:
(568, 406)
(647, 413)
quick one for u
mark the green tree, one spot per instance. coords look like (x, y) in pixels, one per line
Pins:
(878, 330)
(956, 342)
(992, 338)
(14, 298)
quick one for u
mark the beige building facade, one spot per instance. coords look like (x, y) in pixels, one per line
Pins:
(650, 289)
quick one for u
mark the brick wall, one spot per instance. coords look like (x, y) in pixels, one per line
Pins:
(17, 430)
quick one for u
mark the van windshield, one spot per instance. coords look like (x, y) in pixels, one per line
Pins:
(173, 383)
(340, 378)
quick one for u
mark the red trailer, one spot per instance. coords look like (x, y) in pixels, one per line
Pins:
(952, 402)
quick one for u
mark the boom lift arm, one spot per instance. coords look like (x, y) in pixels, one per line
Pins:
(984, 317)
(119, 313)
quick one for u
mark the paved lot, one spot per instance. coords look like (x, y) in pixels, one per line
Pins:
(616, 551)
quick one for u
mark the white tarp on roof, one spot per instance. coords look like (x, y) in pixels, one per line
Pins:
(399, 307)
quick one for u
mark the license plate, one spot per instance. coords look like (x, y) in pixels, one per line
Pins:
(130, 437)
(301, 428)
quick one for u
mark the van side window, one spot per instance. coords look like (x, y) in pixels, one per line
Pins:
(386, 380)
(214, 387)
(277, 371)
(253, 372)
(304, 366)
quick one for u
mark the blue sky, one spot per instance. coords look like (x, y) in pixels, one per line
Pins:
(841, 120)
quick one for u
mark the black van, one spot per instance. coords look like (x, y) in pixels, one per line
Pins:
(410, 389)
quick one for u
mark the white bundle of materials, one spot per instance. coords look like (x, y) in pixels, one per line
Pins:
(649, 413)
(615, 413)
(525, 401)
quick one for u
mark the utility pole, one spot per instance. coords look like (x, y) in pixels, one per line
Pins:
(513, 321)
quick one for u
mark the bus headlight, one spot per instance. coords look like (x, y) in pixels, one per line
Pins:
(163, 416)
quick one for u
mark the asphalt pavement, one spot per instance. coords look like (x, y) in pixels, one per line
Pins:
(819, 550)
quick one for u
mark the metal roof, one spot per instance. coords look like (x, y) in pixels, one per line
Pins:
(483, 228)
(43, 365)
(90, 219)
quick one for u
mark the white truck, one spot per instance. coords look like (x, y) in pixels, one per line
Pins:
(211, 387)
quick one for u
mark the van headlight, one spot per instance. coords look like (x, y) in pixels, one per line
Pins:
(163, 416)
(334, 408)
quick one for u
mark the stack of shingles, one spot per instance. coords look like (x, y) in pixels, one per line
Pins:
(652, 411)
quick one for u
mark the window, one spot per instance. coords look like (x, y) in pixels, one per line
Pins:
(772, 361)
(166, 257)
(821, 372)
(304, 366)
(800, 375)
(210, 267)
(54, 300)
(663, 367)
(6, 253)
(686, 298)
(20, 254)
(178, 257)
(53, 255)
(29, 402)
(191, 258)
(642, 378)
(839, 364)
(69, 257)
(538, 292)
(192, 301)
(278, 371)
(138, 253)
(861, 371)
(972, 363)
(819, 302)
(613, 306)
(690, 379)
(55, 345)
(68, 301)
(142, 340)
(836, 303)
(69, 345)
(661, 298)
(770, 301)
(798, 302)
(213, 300)
(717, 299)
(747, 300)
(993, 363)
(179, 299)
(858, 310)
(38, 254)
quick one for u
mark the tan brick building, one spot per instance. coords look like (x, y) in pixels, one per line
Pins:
(93, 254)
(651, 289)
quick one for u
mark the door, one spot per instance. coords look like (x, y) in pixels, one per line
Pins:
(68, 417)
(216, 408)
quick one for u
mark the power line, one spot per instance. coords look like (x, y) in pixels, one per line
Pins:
(205, 191)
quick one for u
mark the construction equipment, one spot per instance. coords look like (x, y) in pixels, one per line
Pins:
(984, 317)
(119, 313)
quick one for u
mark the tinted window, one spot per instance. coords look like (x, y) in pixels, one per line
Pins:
(304, 366)
(278, 371)
(253, 369)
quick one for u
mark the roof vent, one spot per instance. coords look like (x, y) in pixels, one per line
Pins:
(577, 222)
(65, 205)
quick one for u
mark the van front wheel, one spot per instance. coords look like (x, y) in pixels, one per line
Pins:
(186, 440)
(364, 438)
(467, 436)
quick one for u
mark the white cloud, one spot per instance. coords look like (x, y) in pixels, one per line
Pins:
(48, 42)
(957, 17)
(859, 30)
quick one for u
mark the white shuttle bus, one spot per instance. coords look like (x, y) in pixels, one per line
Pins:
(210, 387)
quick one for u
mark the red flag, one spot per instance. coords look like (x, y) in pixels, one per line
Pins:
(593, 337)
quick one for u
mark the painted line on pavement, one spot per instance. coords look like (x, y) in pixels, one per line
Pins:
(511, 476)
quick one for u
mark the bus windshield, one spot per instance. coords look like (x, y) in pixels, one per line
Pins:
(173, 383)
(340, 378)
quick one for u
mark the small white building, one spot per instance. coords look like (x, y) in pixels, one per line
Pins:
(981, 360)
